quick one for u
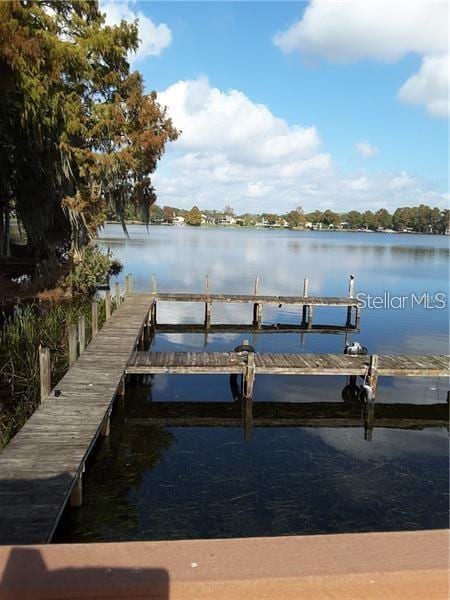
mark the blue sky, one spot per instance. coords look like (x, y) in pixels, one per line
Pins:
(332, 87)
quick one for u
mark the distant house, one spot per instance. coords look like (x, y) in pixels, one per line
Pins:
(308, 225)
(207, 220)
(226, 220)
(178, 220)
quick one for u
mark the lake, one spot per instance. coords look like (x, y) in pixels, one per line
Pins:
(150, 482)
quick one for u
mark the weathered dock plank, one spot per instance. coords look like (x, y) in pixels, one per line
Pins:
(286, 364)
(252, 299)
(42, 463)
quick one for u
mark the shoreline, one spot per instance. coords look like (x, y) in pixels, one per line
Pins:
(239, 227)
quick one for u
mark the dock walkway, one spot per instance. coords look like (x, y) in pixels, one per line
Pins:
(41, 469)
(286, 364)
(41, 466)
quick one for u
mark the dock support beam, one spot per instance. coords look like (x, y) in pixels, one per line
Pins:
(106, 426)
(128, 285)
(45, 372)
(257, 315)
(76, 495)
(248, 419)
(81, 334)
(107, 305)
(117, 294)
(73, 332)
(372, 376)
(207, 305)
(153, 315)
(305, 295)
(368, 418)
(351, 294)
(357, 317)
(249, 375)
(94, 319)
(257, 307)
(207, 315)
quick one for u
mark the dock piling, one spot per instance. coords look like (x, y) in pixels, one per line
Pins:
(372, 376)
(107, 305)
(94, 324)
(128, 285)
(106, 425)
(305, 295)
(117, 294)
(45, 372)
(351, 294)
(154, 286)
(257, 307)
(73, 334)
(368, 419)
(76, 495)
(81, 334)
(207, 305)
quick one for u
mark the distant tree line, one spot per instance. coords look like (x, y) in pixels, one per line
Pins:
(420, 219)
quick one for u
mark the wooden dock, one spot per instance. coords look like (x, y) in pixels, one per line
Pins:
(286, 364)
(258, 301)
(41, 468)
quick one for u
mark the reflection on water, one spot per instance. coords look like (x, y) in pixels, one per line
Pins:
(177, 464)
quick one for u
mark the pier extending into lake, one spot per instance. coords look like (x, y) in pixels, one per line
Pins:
(41, 470)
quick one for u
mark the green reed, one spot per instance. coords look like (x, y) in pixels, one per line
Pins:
(29, 327)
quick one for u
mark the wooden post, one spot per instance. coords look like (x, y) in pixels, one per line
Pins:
(73, 331)
(257, 314)
(121, 389)
(207, 315)
(372, 378)
(368, 418)
(76, 495)
(45, 372)
(256, 286)
(94, 323)
(107, 305)
(310, 316)
(154, 286)
(249, 376)
(351, 294)
(351, 287)
(357, 317)
(117, 294)
(128, 285)
(81, 334)
(207, 305)
(305, 295)
(106, 426)
(248, 419)
(153, 315)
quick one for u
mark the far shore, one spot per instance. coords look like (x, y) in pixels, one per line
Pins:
(265, 227)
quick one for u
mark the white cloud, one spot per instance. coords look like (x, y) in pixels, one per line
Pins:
(234, 151)
(429, 86)
(366, 149)
(401, 181)
(229, 123)
(153, 38)
(345, 32)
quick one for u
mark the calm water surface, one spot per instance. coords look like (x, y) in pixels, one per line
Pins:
(154, 481)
